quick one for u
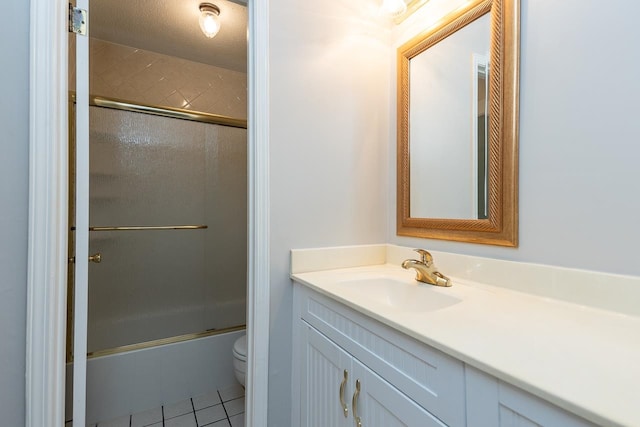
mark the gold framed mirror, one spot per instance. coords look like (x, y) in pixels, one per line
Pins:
(458, 149)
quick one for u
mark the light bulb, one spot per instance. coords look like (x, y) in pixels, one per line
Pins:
(209, 19)
(393, 8)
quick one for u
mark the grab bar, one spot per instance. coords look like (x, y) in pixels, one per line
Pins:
(148, 227)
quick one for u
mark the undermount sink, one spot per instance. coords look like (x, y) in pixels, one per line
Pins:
(398, 294)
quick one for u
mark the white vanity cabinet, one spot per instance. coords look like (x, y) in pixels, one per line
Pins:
(402, 382)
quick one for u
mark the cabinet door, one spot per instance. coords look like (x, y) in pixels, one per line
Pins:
(491, 402)
(323, 368)
(377, 403)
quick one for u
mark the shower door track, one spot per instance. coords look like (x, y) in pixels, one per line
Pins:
(163, 341)
(176, 113)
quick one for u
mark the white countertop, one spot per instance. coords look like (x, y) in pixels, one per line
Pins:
(583, 359)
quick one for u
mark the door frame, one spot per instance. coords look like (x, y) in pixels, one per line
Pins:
(48, 205)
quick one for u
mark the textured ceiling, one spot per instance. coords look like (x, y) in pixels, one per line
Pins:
(171, 27)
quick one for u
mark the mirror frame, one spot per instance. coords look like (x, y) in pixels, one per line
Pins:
(501, 226)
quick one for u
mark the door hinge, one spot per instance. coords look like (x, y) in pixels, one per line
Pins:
(78, 20)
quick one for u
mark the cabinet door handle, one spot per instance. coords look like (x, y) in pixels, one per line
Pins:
(345, 408)
(354, 404)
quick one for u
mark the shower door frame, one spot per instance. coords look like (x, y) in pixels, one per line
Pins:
(48, 195)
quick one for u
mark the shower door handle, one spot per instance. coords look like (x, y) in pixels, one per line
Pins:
(97, 258)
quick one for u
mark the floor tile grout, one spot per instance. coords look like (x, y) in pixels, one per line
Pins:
(224, 407)
(193, 411)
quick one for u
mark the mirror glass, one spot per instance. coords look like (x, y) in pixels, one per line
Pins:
(447, 125)
(458, 127)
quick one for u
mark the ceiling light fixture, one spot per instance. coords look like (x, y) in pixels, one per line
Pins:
(393, 8)
(209, 19)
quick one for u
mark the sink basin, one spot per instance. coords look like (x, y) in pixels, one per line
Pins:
(399, 294)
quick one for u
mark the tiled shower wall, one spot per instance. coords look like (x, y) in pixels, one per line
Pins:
(137, 75)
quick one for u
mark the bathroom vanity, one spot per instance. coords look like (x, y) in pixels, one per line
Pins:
(338, 347)
(372, 347)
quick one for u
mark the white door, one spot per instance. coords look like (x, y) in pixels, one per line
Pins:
(377, 403)
(326, 378)
(491, 402)
(81, 224)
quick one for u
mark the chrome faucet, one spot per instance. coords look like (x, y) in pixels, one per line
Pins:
(426, 272)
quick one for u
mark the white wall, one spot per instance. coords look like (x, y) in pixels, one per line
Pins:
(329, 121)
(579, 150)
(14, 170)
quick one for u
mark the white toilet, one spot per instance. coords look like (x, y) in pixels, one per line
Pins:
(240, 359)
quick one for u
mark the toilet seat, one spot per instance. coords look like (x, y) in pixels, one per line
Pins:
(240, 348)
(240, 359)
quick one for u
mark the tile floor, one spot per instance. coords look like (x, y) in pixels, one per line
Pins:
(223, 408)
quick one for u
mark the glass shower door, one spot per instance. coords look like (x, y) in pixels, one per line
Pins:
(167, 211)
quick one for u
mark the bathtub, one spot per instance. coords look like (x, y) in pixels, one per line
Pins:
(134, 381)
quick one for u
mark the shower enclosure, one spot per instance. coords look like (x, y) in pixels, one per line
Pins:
(167, 212)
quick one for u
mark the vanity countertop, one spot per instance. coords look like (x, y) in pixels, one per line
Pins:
(583, 359)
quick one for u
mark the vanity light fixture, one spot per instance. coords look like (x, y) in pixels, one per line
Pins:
(393, 8)
(209, 19)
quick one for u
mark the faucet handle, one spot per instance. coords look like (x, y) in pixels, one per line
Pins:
(425, 257)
